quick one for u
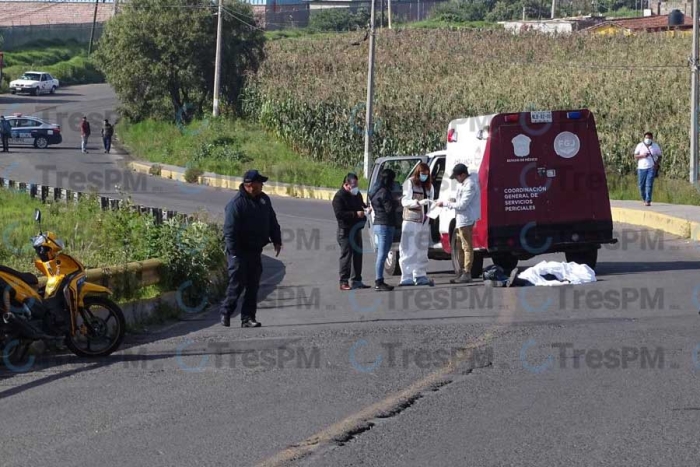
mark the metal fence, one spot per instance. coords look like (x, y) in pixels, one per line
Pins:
(299, 15)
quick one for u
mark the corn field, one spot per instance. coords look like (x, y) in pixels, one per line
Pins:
(311, 91)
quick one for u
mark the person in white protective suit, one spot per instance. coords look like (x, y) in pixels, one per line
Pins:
(415, 229)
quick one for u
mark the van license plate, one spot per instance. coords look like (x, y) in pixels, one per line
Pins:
(541, 117)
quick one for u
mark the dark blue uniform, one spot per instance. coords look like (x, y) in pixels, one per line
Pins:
(250, 224)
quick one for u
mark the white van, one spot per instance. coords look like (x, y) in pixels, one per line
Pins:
(543, 188)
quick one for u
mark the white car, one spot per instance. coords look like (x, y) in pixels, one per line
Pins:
(34, 82)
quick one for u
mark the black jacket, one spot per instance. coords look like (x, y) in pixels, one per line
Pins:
(250, 223)
(346, 205)
(385, 207)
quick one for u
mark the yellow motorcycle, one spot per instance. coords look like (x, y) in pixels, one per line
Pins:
(68, 310)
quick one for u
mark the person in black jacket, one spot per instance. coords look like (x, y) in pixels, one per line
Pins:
(349, 210)
(249, 225)
(385, 207)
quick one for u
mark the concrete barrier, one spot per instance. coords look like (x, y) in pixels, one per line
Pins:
(231, 183)
(144, 272)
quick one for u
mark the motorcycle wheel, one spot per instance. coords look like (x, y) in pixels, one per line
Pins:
(93, 338)
(14, 355)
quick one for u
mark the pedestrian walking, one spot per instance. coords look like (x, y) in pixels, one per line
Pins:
(107, 132)
(349, 208)
(5, 133)
(467, 206)
(415, 229)
(648, 156)
(250, 224)
(385, 207)
(84, 134)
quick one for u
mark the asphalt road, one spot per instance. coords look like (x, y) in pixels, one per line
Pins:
(357, 378)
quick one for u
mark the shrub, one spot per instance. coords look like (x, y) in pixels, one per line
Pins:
(339, 19)
(155, 170)
(192, 174)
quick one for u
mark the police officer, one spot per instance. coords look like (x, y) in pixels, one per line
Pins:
(250, 224)
(5, 133)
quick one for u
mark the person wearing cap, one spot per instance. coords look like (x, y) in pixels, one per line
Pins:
(467, 206)
(250, 224)
(349, 208)
(5, 133)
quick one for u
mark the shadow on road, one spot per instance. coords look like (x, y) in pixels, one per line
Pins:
(26, 100)
(274, 272)
(612, 269)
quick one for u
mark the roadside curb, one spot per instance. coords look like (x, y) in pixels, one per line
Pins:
(231, 183)
(681, 227)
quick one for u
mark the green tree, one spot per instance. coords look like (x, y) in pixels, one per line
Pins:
(159, 55)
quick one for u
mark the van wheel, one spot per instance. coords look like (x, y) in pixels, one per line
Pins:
(587, 257)
(505, 261)
(391, 264)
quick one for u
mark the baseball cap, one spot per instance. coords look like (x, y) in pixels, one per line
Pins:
(253, 176)
(459, 169)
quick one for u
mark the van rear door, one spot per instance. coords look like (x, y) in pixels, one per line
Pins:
(402, 166)
(540, 169)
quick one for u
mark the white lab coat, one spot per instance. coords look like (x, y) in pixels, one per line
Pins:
(415, 236)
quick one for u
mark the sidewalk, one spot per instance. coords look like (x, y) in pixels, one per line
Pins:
(680, 220)
(676, 219)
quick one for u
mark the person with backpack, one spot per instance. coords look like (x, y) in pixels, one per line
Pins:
(107, 132)
(385, 208)
(84, 134)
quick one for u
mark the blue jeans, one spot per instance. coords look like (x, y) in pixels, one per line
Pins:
(645, 179)
(385, 236)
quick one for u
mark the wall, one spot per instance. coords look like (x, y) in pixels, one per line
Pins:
(17, 36)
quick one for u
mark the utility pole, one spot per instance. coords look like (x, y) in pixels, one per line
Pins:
(694, 100)
(92, 33)
(370, 96)
(389, 4)
(382, 23)
(217, 66)
(554, 2)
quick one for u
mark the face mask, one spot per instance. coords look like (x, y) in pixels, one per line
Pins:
(355, 191)
(423, 177)
(647, 141)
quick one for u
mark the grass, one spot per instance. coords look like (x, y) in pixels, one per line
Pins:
(66, 61)
(666, 190)
(110, 238)
(227, 147)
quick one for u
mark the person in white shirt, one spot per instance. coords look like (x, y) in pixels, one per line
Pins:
(415, 228)
(467, 206)
(648, 156)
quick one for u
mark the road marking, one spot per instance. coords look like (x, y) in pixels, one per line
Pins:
(362, 419)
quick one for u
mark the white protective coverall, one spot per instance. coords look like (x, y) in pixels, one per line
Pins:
(415, 232)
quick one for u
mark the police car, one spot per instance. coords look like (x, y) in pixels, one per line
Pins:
(33, 131)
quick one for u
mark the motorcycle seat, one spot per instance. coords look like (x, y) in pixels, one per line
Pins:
(26, 277)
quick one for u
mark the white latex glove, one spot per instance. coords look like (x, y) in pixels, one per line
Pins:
(424, 202)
